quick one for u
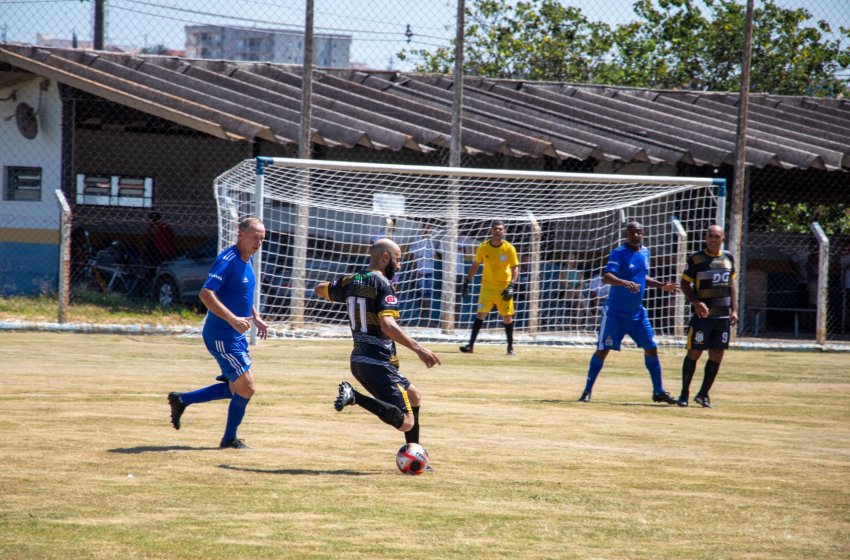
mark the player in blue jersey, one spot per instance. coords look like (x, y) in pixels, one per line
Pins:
(627, 272)
(228, 294)
(372, 313)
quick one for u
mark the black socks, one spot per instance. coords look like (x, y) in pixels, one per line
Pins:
(711, 369)
(476, 326)
(387, 412)
(689, 366)
(412, 435)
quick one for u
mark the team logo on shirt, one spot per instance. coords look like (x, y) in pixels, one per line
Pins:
(391, 300)
(503, 258)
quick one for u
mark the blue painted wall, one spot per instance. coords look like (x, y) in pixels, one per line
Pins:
(28, 268)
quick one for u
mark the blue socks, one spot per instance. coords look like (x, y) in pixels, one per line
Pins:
(593, 372)
(653, 364)
(214, 392)
(235, 413)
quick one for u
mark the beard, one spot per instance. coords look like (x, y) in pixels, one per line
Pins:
(390, 270)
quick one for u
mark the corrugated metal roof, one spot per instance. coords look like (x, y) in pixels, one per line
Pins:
(404, 111)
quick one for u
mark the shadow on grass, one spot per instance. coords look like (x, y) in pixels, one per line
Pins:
(309, 472)
(608, 403)
(158, 449)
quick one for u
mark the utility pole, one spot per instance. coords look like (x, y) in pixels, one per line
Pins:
(739, 187)
(99, 11)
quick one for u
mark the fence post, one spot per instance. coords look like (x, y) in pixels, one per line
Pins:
(63, 296)
(681, 261)
(259, 204)
(534, 291)
(823, 282)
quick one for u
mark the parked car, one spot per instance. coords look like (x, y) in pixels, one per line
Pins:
(180, 280)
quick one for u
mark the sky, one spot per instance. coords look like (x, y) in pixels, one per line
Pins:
(377, 26)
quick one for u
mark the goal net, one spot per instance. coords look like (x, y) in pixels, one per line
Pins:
(321, 217)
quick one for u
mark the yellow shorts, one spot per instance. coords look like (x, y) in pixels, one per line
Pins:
(493, 296)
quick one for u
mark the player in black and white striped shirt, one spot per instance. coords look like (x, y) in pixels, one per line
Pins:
(707, 283)
(372, 312)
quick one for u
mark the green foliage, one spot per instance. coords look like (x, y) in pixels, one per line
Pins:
(155, 49)
(786, 217)
(535, 40)
(672, 44)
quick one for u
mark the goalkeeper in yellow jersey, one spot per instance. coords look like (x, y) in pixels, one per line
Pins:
(498, 283)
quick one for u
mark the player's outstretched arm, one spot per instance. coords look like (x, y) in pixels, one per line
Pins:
(669, 287)
(321, 290)
(612, 280)
(391, 328)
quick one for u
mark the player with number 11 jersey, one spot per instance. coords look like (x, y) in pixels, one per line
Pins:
(372, 308)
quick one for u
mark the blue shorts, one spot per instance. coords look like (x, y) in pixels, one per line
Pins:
(613, 327)
(231, 355)
(383, 381)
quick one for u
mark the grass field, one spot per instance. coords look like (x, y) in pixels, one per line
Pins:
(90, 467)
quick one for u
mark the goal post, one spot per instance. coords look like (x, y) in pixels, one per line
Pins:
(321, 217)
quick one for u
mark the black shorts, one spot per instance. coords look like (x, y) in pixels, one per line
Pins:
(708, 333)
(384, 382)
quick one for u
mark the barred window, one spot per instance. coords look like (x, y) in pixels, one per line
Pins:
(106, 190)
(22, 183)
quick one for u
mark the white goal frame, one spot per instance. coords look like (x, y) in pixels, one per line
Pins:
(245, 190)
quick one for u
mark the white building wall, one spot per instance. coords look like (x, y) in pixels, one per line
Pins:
(44, 151)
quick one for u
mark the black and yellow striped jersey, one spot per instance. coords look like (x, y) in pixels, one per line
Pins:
(368, 296)
(711, 277)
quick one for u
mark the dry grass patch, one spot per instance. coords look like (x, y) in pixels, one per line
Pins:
(91, 468)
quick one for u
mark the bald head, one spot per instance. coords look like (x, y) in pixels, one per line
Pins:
(381, 246)
(385, 256)
(634, 235)
(714, 239)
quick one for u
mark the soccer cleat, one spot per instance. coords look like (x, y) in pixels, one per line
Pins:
(177, 408)
(511, 352)
(703, 401)
(683, 400)
(466, 349)
(345, 397)
(234, 443)
(585, 397)
(664, 397)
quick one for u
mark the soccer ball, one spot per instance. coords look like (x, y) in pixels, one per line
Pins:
(412, 459)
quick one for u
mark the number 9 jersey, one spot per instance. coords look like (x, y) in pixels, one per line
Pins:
(711, 276)
(368, 296)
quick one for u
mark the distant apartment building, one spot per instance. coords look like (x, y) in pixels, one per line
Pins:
(271, 45)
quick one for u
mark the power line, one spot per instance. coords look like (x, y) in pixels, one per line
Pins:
(254, 20)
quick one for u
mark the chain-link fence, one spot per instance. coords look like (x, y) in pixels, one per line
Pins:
(139, 181)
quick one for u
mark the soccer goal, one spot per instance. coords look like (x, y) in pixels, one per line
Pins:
(321, 217)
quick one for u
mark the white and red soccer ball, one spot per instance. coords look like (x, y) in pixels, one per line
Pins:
(412, 459)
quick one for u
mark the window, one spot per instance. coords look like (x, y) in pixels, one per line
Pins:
(103, 190)
(22, 183)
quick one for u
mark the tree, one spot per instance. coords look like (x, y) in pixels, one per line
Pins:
(155, 49)
(535, 40)
(678, 46)
(672, 44)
